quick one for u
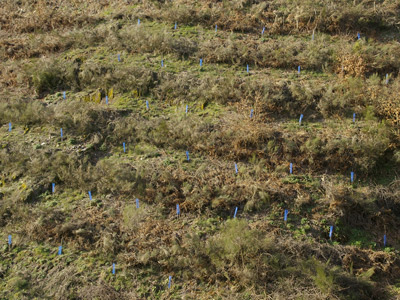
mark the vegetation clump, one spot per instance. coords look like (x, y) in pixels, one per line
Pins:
(199, 149)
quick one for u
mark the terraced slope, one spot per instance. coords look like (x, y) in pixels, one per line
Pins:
(199, 149)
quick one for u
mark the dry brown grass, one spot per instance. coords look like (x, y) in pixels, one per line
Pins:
(32, 16)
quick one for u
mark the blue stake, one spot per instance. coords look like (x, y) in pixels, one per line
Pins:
(234, 215)
(65, 95)
(113, 268)
(123, 144)
(176, 26)
(387, 78)
(138, 21)
(216, 28)
(358, 35)
(301, 118)
(53, 188)
(247, 69)
(147, 104)
(107, 100)
(162, 63)
(236, 168)
(178, 211)
(330, 232)
(9, 240)
(9, 127)
(251, 113)
(61, 131)
(384, 240)
(187, 107)
(59, 250)
(169, 281)
(263, 30)
(352, 177)
(90, 195)
(291, 168)
(354, 117)
(201, 62)
(119, 57)
(187, 155)
(285, 215)
(137, 203)
(298, 70)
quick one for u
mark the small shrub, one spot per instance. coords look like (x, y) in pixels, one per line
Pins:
(24, 112)
(49, 76)
(133, 216)
(240, 248)
(323, 280)
(258, 202)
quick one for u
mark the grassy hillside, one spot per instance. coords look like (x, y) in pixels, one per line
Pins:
(274, 126)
